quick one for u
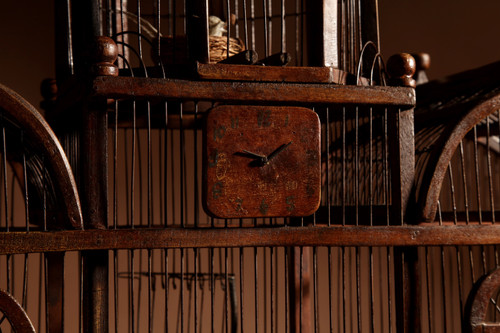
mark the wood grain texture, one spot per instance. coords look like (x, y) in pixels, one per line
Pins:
(252, 92)
(273, 73)
(236, 184)
(482, 296)
(15, 314)
(152, 238)
(31, 121)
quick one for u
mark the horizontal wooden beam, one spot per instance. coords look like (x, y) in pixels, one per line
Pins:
(158, 238)
(253, 92)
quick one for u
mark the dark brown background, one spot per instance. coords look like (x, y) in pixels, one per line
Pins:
(458, 34)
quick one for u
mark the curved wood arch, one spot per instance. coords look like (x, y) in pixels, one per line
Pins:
(439, 159)
(15, 313)
(41, 136)
(479, 300)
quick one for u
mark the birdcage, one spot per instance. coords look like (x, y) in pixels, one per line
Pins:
(242, 166)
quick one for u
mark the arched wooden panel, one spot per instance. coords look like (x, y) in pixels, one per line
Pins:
(441, 123)
(480, 300)
(15, 314)
(45, 152)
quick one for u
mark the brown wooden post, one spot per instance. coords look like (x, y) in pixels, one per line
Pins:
(94, 191)
(401, 68)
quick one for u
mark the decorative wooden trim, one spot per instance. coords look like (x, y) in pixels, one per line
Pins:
(17, 317)
(486, 289)
(31, 121)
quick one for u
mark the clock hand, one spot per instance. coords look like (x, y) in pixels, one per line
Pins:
(277, 151)
(259, 159)
(254, 155)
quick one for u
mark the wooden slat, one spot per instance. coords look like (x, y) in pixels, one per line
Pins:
(252, 92)
(274, 74)
(75, 240)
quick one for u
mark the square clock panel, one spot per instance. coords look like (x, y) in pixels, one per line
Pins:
(261, 161)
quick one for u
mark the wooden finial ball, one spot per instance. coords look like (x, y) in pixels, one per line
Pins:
(105, 53)
(401, 67)
(401, 64)
(48, 89)
(423, 60)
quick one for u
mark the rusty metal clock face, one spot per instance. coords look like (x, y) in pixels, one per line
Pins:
(261, 161)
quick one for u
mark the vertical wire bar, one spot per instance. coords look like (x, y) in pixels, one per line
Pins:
(343, 39)
(372, 290)
(270, 25)
(5, 183)
(315, 289)
(370, 166)
(476, 169)
(266, 29)
(287, 288)
(150, 208)
(283, 27)
(252, 20)
(24, 298)
(443, 286)
(46, 277)
(173, 193)
(271, 250)
(228, 15)
(25, 179)
(182, 262)
(358, 287)
(237, 19)
(212, 289)
(242, 287)
(389, 270)
(428, 281)
(302, 14)
(132, 176)
(330, 290)
(490, 177)
(460, 283)
(343, 166)
(464, 179)
(41, 292)
(115, 289)
(44, 195)
(139, 28)
(165, 251)
(182, 164)
(165, 168)
(344, 289)
(245, 24)
(359, 44)
(132, 291)
(150, 291)
(452, 190)
(327, 175)
(297, 32)
(226, 289)
(385, 167)
(115, 165)
(356, 175)
(195, 165)
(195, 285)
(301, 284)
(256, 288)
